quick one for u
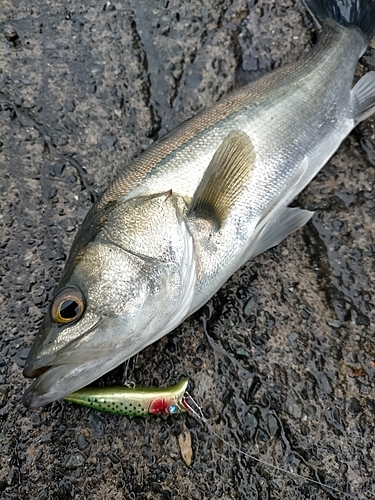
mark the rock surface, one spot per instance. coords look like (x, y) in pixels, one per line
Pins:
(282, 359)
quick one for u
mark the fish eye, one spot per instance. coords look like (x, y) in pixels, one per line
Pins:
(68, 305)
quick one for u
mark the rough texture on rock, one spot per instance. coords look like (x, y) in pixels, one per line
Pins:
(282, 359)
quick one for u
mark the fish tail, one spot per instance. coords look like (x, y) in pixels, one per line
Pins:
(349, 13)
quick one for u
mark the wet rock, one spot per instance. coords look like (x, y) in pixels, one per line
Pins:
(156, 487)
(295, 410)
(69, 105)
(82, 442)
(58, 168)
(354, 406)
(250, 306)
(293, 336)
(78, 472)
(362, 320)
(29, 223)
(47, 438)
(109, 141)
(26, 81)
(335, 324)
(251, 420)
(193, 81)
(21, 356)
(97, 424)
(52, 193)
(74, 460)
(272, 425)
(371, 405)
(242, 353)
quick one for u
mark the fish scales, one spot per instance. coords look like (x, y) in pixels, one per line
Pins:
(252, 108)
(195, 206)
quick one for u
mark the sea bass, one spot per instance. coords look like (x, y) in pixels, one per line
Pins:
(192, 209)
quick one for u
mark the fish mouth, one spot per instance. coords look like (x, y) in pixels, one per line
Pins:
(60, 380)
(59, 373)
(54, 382)
(71, 370)
(51, 383)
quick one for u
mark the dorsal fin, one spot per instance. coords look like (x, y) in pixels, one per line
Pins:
(225, 179)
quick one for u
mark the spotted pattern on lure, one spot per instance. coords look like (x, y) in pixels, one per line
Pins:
(134, 401)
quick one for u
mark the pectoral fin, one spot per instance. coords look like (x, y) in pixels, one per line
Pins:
(224, 179)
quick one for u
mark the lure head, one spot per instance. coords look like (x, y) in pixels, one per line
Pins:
(169, 401)
(168, 405)
(121, 289)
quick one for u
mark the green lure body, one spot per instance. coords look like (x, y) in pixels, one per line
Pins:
(135, 401)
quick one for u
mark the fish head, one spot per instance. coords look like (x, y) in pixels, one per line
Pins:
(94, 321)
(113, 301)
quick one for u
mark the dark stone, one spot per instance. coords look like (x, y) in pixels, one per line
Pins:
(355, 406)
(58, 168)
(82, 442)
(74, 460)
(156, 487)
(69, 105)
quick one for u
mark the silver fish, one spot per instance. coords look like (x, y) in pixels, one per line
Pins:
(197, 205)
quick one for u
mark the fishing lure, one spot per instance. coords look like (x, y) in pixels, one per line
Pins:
(134, 401)
(143, 401)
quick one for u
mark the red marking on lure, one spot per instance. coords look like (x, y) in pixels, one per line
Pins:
(158, 407)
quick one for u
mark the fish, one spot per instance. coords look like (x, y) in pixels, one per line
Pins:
(186, 214)
(134, 401)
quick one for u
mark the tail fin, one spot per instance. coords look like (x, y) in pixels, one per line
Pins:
(349, 13)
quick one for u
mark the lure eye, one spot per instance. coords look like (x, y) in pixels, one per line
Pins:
(68, 306)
